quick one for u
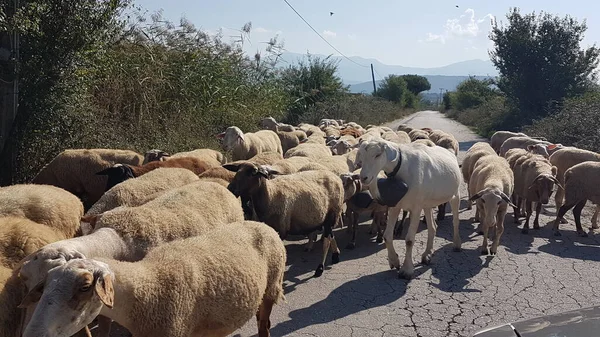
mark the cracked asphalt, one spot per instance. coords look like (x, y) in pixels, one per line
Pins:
(459, 293)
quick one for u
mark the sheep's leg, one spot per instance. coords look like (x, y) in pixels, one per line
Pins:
(352, 227)
(559, 196)
(312, 237)
(523, 206)
(381, 217)
(263, 317)
(441, 212)
(454, 205)
(388, 235)
(400, 225)
(408, 268)
(476, 218)
(326, 244)
(484, 245)
(516, 210)
(525, 229)
(499, 230)
(561, 213)
(536, 221)
(335, 255)
(431, 229)
(595, 217)
(577, 215)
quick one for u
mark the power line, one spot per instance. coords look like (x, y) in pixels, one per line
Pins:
(314, 30)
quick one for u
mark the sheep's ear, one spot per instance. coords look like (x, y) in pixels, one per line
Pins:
(476, 196)
(33, 296)
(220, 135)
(390, 152)
(530, 147)
(267, 171)
(104, 289)
(554, 170)
(507, 199)
(356, 177)
(91, 219)
(232, 167)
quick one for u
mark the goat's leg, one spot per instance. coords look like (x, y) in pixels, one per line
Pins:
(525, 229)
(499, 230)
(388, 235)
(595, 217)
(454, 205)
(536, 221)
(431, 229)
(577, 215)
(408, 268)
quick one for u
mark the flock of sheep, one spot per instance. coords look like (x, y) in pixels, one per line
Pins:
(191, 243)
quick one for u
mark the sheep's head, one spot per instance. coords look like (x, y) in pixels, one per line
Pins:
(231, 137)
(352, 185)
(490, 201)
(248, 177)
(154, 155)
(269, 123)
(542, 186)
(374, 156)
(341, 147)
(70, 297)
(116, 175)
(540, 149)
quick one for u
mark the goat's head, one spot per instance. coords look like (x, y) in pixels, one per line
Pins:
(374, 156)
(69, 298)
(490, 201)
(116, 175)
(248, 177)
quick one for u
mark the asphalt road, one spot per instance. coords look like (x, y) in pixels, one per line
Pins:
(457, 294)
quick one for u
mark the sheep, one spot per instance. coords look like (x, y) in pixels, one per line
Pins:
(128, 233)
(326, 122)
(209, 285)
(75, 171)
(395, 137)
(12, 292)
(433, 177)
(534, 180)
(359, 201)
(217, 172)
(288, 165)
(135, 192)
(312, 151)
(288, 140)
(478, 150)
(581, 184)
(405, 128)
(418, 134)
(154, 155)
(269, 123)
(524, 143)
(351, 131)
(121, 172)
(341, 147)
(490, 185)
(208, 155)
(565, 159)
(447, 141)
(264, 158)
(310, 129)
(500, 137)
(44, 204)
(335, 164)
(299, 203)
(425, 142)
(247, 145)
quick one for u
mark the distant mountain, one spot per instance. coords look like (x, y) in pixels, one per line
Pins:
(437, 82)
(353, 74)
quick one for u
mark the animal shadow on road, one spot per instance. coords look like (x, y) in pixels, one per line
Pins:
(361, 294)
(570, 245)
(454, 269)
(301, 264)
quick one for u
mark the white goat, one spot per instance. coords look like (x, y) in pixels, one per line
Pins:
(433, 177)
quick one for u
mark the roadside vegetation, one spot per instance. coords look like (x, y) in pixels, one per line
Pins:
(113, 76)
(547, 84)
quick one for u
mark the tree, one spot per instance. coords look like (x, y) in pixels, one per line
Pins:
(393, 88)
(471, 93)
(540, 61)
(308, 83)
(416, 84)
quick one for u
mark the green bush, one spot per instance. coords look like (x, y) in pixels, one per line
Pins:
(577, 124)
(393, 88)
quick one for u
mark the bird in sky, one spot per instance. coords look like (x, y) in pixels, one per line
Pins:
(331, 13)
(456, 6)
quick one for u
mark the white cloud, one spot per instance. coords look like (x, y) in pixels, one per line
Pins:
(465, 26)
(329, 33)
(261, 30)
(352, 37)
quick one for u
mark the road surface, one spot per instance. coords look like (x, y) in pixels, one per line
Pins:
(457, 294)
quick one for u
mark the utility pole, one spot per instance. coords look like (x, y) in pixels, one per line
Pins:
(440, 98)
(373, 77)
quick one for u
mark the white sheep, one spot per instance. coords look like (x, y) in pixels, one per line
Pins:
(309, 150)
(433, 178)
(75, 171)
(208, 285)
(135, 192)
(296, 204)
(527, 143)
(154, 155)
(247, 145)
(490, 185)
(207, 155)
(418, 134)
(500, 137)
(474, 153)
(581, 184)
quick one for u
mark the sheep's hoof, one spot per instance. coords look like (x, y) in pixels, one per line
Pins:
(484, 251)
(492, 252)
(335, 258)
(319, 270)
(525, 231)
(379, 239)
(557, 233)
(426, 259)
(405, 275)
(351, 245)
(536, 226)
(582, 234)
(563, 221)
(457, 249)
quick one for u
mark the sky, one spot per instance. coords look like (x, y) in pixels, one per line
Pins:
(409, 33)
